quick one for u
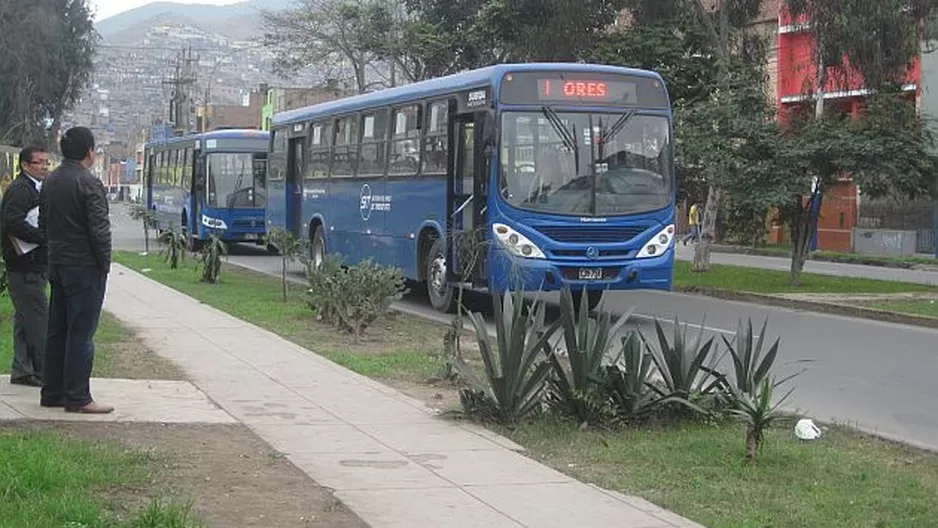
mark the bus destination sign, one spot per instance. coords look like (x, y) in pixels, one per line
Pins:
(602, 89)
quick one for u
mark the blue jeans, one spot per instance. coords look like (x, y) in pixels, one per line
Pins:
(74, 310)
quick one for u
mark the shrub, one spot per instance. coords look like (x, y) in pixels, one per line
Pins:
(146, 217)
(352, 298)
(210, 259)
(174, 247)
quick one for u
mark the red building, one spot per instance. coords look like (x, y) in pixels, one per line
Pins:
(844, 93)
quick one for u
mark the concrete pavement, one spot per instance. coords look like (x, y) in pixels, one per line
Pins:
(156, 401)
(386, 456)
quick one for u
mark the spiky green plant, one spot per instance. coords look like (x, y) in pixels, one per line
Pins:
(174, 247)
(578, 391)
(210, 259)
(684, 366)
(516, 369)
(635, 398)
(750, 365)
(758, 413)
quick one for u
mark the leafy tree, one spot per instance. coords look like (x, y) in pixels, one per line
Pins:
(340, 38)
(146, 217)
(889, 151)
(46, 52)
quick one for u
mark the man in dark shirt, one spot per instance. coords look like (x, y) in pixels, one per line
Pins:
(74, 218)
(24, 253)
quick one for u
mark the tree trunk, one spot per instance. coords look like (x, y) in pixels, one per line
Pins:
(752, 444)
(283, 277)
(707, 228)
(146, 240)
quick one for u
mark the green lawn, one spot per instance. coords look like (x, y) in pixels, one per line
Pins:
(51, 482)
(927, 308)
(757, 280)
(843, 480)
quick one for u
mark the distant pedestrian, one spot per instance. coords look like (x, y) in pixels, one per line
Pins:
(74, 217)
(693, 221)
(25, 256)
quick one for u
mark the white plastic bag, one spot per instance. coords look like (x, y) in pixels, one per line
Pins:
(806, 430)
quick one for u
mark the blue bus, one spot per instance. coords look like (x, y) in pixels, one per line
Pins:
(211, 183)
(566, 171)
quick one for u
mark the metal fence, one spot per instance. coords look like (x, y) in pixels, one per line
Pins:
(918, 216)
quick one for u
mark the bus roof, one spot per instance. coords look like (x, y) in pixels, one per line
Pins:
(440, 86)
(240, 133)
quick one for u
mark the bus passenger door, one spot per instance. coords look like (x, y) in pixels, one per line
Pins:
(198, 193)
(296, 169)
(468, 196)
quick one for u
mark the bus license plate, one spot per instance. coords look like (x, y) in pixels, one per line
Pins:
(250, 236)
(591, 273)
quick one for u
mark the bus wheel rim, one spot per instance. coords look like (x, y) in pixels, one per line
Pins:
(438, 276)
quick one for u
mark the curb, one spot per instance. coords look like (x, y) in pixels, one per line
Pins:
(813, 306)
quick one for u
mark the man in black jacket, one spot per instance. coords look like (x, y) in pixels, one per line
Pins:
(24, 252)
(74, 217)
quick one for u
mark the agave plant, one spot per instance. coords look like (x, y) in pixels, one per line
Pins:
(684, 366)
(751, 367)
(758, 413)
(515, 371)
(174, 247)
(577, 392)
(634, 397)
(210, 259)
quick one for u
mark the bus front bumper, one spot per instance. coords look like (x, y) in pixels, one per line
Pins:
(655, 273)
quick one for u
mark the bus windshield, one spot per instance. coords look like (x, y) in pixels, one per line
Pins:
(237, 181)
(586, 164)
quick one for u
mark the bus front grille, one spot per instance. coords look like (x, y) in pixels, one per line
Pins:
(591, 234)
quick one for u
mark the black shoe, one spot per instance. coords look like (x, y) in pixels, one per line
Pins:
(29, 381)
(52, 404)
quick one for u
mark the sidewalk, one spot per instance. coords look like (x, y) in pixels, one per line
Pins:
(387, 458)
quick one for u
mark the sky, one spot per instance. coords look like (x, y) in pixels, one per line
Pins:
(108, 8)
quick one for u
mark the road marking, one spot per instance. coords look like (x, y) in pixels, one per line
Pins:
(671, 322)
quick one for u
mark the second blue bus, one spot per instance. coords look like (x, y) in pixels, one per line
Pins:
(211, 183)
(567, 171)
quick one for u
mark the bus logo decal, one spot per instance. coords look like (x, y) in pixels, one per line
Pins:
(592, 253)
(365, 203)
(372, 202)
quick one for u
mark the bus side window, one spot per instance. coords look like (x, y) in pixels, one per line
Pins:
(436, 142)
(405, 150)
(319, 151)
(373, 144)
(345, 153)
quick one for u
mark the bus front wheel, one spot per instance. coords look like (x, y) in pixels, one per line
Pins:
(441, 293)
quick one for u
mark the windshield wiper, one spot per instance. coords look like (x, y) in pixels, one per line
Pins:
(617, 126)
(569, 140)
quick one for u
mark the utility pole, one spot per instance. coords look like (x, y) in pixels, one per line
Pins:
(180, 107)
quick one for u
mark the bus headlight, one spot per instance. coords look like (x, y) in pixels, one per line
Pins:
(658, 243)
(214, 223)
(516, 243)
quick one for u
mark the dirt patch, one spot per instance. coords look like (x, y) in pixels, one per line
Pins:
(231, 475)
(121, 355)
(438, 395)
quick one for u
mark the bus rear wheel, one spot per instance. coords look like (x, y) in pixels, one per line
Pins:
(440, 292)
